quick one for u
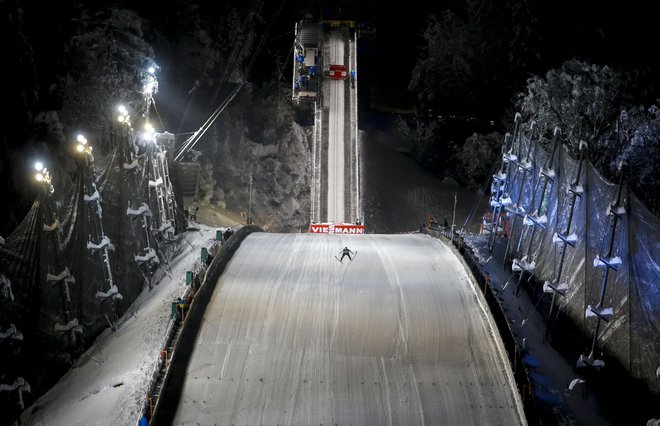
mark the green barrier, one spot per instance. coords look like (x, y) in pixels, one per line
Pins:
(218, 235)
(189, 277)
(173, 315)
(204, 254)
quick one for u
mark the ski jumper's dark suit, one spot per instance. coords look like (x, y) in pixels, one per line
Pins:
(346, 252)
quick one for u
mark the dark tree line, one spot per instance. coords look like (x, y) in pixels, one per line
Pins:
(69, 64)
(586, 67)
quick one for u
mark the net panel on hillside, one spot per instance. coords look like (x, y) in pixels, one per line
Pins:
(81, 256)
(591, 243)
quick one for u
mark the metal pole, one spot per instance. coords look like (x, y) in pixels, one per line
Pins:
(453, 219)
(249, 220)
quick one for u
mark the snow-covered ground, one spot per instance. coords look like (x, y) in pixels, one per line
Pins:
(109, 382)
(415, 328)
(398, 195)
(336, 131)
(400, 335)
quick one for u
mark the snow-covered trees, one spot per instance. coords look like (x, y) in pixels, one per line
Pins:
(582, 98)
(444, 69)
(256, 137)
(635, 138)
(106, 63)
(589, 103)
(477, 157)
(473, 56)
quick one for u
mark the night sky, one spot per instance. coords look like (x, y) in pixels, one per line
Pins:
(606, 33)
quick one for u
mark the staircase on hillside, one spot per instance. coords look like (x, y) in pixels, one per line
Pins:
(189, 173)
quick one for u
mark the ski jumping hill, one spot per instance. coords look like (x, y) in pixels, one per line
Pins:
(401, 335)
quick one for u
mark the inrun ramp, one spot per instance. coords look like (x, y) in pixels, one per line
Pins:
(400, 336)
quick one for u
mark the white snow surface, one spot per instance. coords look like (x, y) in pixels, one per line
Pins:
(87, 395)
(336, 127)
(291, 336)
(400, 335)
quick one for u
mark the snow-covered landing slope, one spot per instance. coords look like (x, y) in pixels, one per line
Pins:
(110, 381)
(399, 336)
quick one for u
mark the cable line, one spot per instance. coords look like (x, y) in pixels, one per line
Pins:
(192, 141)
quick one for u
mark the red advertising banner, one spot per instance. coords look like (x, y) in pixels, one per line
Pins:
(336, 228)
(338, 72)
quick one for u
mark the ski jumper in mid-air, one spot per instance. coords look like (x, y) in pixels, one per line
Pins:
(346, 252)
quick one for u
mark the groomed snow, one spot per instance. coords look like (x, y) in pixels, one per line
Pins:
(399, 336)
(291, 336)
(109, 382)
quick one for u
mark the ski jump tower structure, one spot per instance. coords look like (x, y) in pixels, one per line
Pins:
(325, 79)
